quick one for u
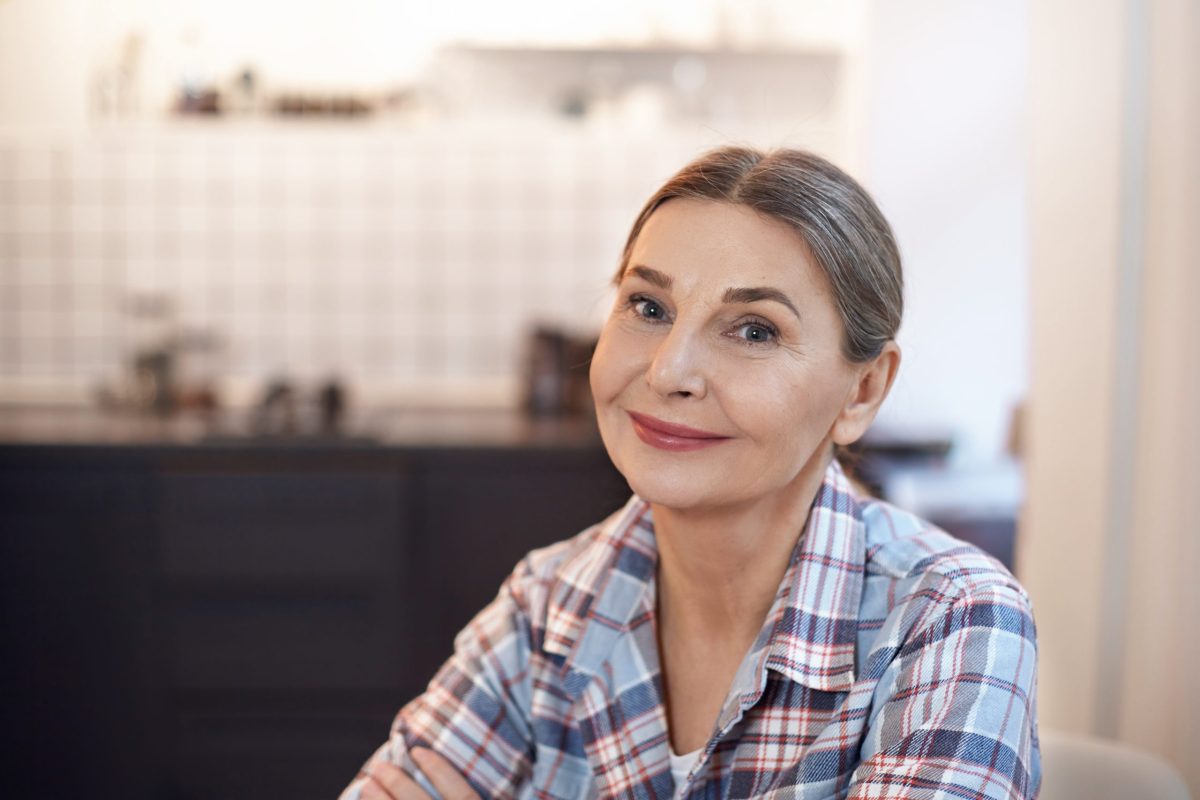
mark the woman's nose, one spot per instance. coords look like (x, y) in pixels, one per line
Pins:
(678, 365)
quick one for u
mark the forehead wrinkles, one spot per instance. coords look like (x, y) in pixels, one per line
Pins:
(715, 247)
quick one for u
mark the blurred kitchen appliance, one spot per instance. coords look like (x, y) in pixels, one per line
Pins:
(163, 367)
(150, 355)
(556, 373)
(286, 410)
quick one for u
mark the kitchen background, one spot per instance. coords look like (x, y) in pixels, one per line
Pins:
(209, 210)
(409, 248)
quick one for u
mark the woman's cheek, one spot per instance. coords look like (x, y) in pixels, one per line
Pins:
(627, 350)
(609, 362)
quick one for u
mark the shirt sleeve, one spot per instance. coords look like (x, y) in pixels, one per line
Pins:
(960, 718)
(476, 710)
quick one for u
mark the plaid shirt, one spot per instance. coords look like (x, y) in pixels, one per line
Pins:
(895, 662)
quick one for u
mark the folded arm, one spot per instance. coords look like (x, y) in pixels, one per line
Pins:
(474, 713)
(959, 720)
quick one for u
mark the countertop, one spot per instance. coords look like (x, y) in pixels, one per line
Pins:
(376, 428)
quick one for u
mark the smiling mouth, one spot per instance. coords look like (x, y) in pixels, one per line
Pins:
(669, 436)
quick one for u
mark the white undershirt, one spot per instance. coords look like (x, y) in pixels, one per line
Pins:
(682, 765)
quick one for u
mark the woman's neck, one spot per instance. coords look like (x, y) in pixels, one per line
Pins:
(719, 569)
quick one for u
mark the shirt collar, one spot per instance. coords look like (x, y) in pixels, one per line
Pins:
(809, 634)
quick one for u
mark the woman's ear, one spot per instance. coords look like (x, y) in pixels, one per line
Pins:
(873, 381)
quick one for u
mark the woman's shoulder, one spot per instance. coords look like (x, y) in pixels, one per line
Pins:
(569, 565)
(908, 549)
(548, 562)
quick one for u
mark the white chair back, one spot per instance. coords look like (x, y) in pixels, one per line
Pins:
(1085, 768)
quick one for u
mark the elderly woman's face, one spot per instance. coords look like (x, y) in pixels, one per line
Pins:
(722, 324)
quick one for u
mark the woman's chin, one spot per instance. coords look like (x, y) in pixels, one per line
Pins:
(677, 492)
(676, 480)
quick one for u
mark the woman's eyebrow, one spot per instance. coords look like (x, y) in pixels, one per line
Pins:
(747, 294)
(751, 293)
(649, 274)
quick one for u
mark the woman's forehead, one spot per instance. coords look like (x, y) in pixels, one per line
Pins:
(689, 244)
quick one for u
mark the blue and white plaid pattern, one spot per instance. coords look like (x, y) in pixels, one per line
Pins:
(896, 662)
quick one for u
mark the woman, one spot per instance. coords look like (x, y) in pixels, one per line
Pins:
(747, 625)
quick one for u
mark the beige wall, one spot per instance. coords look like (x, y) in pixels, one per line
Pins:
(1108, 550)
(1074, 184)
(1160, 683)
(42, 64)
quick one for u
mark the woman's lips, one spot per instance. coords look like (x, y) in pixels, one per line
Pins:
(668, 436)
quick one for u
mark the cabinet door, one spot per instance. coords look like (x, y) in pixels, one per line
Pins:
(304, 746)
(482, 511)
(286, 615)
(284, 577)
(75, 549)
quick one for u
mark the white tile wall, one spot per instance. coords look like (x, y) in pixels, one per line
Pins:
(393, 256)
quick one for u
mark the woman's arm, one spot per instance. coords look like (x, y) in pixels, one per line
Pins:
(380, 780)
(960, 717)
(475, 711)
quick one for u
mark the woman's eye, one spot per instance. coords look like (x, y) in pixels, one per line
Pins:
(757, 333)
(647, 308)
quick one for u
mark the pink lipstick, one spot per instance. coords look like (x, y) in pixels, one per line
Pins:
(670, 436)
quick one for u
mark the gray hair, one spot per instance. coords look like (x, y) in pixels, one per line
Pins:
(843, 228)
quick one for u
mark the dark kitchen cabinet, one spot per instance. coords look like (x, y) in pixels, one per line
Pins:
(244, 622)
(76, 544)
(285, 600)
(482, 511)
(285, 576)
